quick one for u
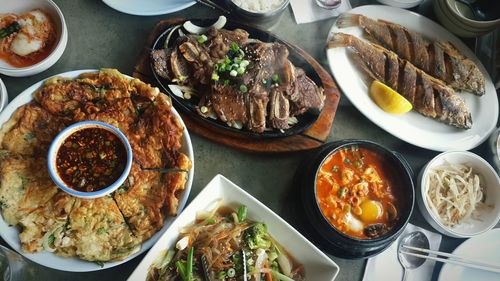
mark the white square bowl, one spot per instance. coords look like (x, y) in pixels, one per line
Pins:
(317, 266)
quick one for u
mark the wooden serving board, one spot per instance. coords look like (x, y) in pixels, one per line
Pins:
(313, 137)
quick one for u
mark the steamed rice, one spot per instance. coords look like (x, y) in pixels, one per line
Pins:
(259, 5)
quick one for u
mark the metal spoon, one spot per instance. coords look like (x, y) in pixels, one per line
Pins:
(415, 239)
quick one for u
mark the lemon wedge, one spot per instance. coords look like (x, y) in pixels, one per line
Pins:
(388, 99)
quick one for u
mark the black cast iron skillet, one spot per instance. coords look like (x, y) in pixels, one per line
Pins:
(327, 236)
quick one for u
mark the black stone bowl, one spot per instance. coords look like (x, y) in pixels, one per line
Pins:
(325, 235)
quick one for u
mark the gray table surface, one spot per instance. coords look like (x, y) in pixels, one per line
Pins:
(102, 37)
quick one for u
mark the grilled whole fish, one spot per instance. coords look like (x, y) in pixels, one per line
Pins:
(428, 95)
(439, 59)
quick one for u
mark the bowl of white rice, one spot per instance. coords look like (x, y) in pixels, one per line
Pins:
(262, 12)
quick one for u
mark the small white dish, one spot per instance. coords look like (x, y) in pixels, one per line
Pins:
(56, 15)
(487, 217)
(413, 127)
(317, 266)
(483, 247)
(10, 234)
(149, 7)
(59, 141)
(4, 97)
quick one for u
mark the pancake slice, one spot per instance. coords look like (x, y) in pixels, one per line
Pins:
(97, 231)
(25, 185)
(44, 228)
(30, 131)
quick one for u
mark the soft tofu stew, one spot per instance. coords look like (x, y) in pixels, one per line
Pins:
(355, 193)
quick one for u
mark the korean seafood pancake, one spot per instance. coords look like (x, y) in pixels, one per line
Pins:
(107, 228)
(428, 95)
(438, 59)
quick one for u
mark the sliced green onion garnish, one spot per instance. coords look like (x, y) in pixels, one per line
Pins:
(244, 63)
(275, 78)
(202, 39)
(240, 70)
(231, 273)
(243, 89)
(234, 47)
(226, 82)
(233, 73)
(215, 76)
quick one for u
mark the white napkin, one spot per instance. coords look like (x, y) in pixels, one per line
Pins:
(307, 11)
(386, 267)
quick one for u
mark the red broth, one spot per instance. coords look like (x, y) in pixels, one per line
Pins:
(355, 193)
(91, 159)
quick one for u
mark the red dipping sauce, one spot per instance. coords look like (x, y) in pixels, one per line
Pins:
(91, 159)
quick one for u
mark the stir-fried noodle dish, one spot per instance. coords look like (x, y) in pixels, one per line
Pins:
(225, 245)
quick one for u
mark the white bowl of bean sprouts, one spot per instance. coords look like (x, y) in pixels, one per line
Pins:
(459, 194)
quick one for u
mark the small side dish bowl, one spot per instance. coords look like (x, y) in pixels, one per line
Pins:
(60, 153)
(481, 221)
(458, 19)
(334, 227)
(53, 11)
(263, 18)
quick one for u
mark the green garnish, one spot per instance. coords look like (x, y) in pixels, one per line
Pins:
(202, 39)
(210, 221)
(215, 76)
(347, 161)
(342, 192)
(242, 212)
(240, 70)
(101, 230)
(231, 273)
(275, 78)
(13, 27)
(234, 47)
(51, 239)
(221, 275)
(243, 88)
(358, 163)
(335, 168)
(226, 82)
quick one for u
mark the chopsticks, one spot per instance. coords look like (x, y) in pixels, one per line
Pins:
(213, 5)
(451, 258)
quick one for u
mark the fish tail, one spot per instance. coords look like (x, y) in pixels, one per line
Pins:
(347, 20)
(339, 40)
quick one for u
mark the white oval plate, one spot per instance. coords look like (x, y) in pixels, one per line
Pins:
(148, 7)
(317, 266)
(11, 235)
(484, 247)
(413, 127)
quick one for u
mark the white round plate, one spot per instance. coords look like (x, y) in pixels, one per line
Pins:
(484, 247)
(11, 235)
(148, 7)
(413, 127)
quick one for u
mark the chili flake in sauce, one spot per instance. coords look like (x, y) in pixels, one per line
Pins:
(91, 159)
